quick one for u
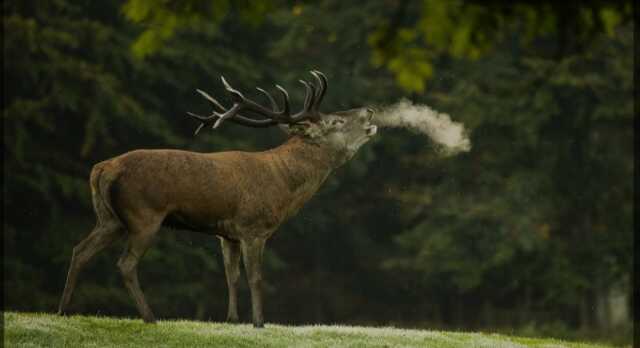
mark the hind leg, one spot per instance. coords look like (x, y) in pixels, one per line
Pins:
(104, 234)
(141, 234)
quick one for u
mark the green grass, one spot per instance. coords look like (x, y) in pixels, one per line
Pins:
(49, 330)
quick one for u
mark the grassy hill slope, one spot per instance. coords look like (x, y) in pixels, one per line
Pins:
(49, 330)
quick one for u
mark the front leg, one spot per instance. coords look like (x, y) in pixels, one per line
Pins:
(252, 254)
(231, 257)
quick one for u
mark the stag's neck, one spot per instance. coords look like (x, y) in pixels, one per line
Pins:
(303, 165)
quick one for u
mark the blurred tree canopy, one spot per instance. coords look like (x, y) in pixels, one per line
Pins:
(529, 231)
(404, 44)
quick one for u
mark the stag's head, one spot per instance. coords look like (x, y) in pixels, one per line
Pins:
(342, 132)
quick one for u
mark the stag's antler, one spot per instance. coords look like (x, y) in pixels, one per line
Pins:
(272, 116)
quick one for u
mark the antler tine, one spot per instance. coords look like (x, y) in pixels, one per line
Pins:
(322, 88)
(228, 114)
(239, 119)
(308, 111)
(201, 118)
(232, 113)
(240, 103)
(234, 92)
(274, 105)
(204, 119)
(310, 97)
(248, 104)
(273, 116)
(285, 97)
(198, 129)
(211, 99)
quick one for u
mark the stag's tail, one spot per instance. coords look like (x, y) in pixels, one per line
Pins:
(101, 180)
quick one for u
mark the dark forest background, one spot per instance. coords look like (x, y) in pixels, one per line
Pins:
(530, 232)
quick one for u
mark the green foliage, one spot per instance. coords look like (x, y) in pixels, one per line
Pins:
(163, 19)
(470, 29)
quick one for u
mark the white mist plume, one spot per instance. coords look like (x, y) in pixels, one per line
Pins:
(451, 136)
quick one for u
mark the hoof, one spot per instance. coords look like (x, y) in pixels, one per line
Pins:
(258, 326)
(61, 313)
(232, 320)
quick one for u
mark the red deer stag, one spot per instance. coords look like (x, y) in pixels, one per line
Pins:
(241, 197)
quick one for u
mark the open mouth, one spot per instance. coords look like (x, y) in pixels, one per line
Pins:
(372, 130)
